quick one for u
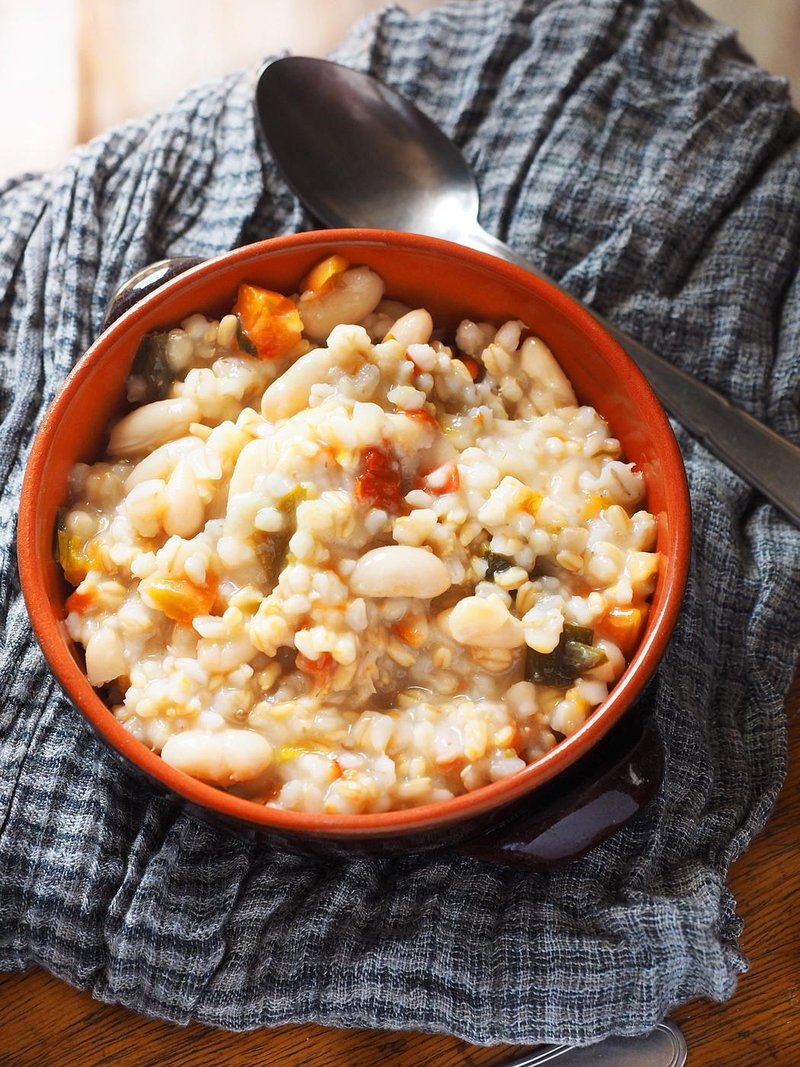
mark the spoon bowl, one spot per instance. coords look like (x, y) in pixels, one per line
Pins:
(366, 140)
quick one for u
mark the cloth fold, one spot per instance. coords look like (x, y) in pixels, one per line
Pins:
(635, 153)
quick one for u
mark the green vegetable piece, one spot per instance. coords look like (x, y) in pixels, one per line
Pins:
(71, 555)
(582, 634)
(495, 564)
(243, 338)
(573, 656)
(271, 553)
(272, 549)
(150, 363)
(288, 503)
(579, 658)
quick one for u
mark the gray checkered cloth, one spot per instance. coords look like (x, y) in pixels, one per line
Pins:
(636, 154)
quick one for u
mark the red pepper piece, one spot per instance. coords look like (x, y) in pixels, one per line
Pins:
(379, 484)
(441, 480)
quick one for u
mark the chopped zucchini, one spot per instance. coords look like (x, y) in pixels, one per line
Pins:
(288, 503)
(242, 339)
(271, 551)
(573, 656)
(272, 548)
(71, 555)
(495, 564)
(150, 364)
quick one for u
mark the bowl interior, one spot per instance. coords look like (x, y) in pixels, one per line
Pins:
(453, 283)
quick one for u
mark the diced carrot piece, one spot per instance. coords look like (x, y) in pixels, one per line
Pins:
(270, 321)
(321, 665)
(80, 600)
(593, 506)
(472, 365)
(530, 500)
(408, 629)
(322, 273)
(441, 480)
(420, 414)
(622, 626)
(181, 600)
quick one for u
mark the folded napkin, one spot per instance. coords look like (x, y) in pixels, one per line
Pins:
(636, 154)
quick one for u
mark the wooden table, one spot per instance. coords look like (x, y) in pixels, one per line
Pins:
(45, 1023)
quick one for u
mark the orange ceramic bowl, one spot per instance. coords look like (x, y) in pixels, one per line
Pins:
(452, 282)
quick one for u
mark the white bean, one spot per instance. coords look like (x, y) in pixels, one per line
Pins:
(400, 570)
(349, 297)
(105, 657)
(413, 328)
(184, 514)
(162, 462)
(550, 388)
(252, 461)
(152, 425)
(484, 622)
(289, 394)
(145, 505)
(219, 756)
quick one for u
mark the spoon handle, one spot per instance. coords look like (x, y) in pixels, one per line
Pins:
(760, 456)
(664, 1046)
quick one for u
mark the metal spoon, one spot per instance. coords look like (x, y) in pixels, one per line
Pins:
(665, 1046)
(358, 154)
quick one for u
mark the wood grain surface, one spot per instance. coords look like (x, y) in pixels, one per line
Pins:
(45, 1023)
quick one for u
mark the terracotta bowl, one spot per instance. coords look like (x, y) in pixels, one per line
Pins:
(541, 823)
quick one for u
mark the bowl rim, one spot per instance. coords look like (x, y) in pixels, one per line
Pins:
(48, 627)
